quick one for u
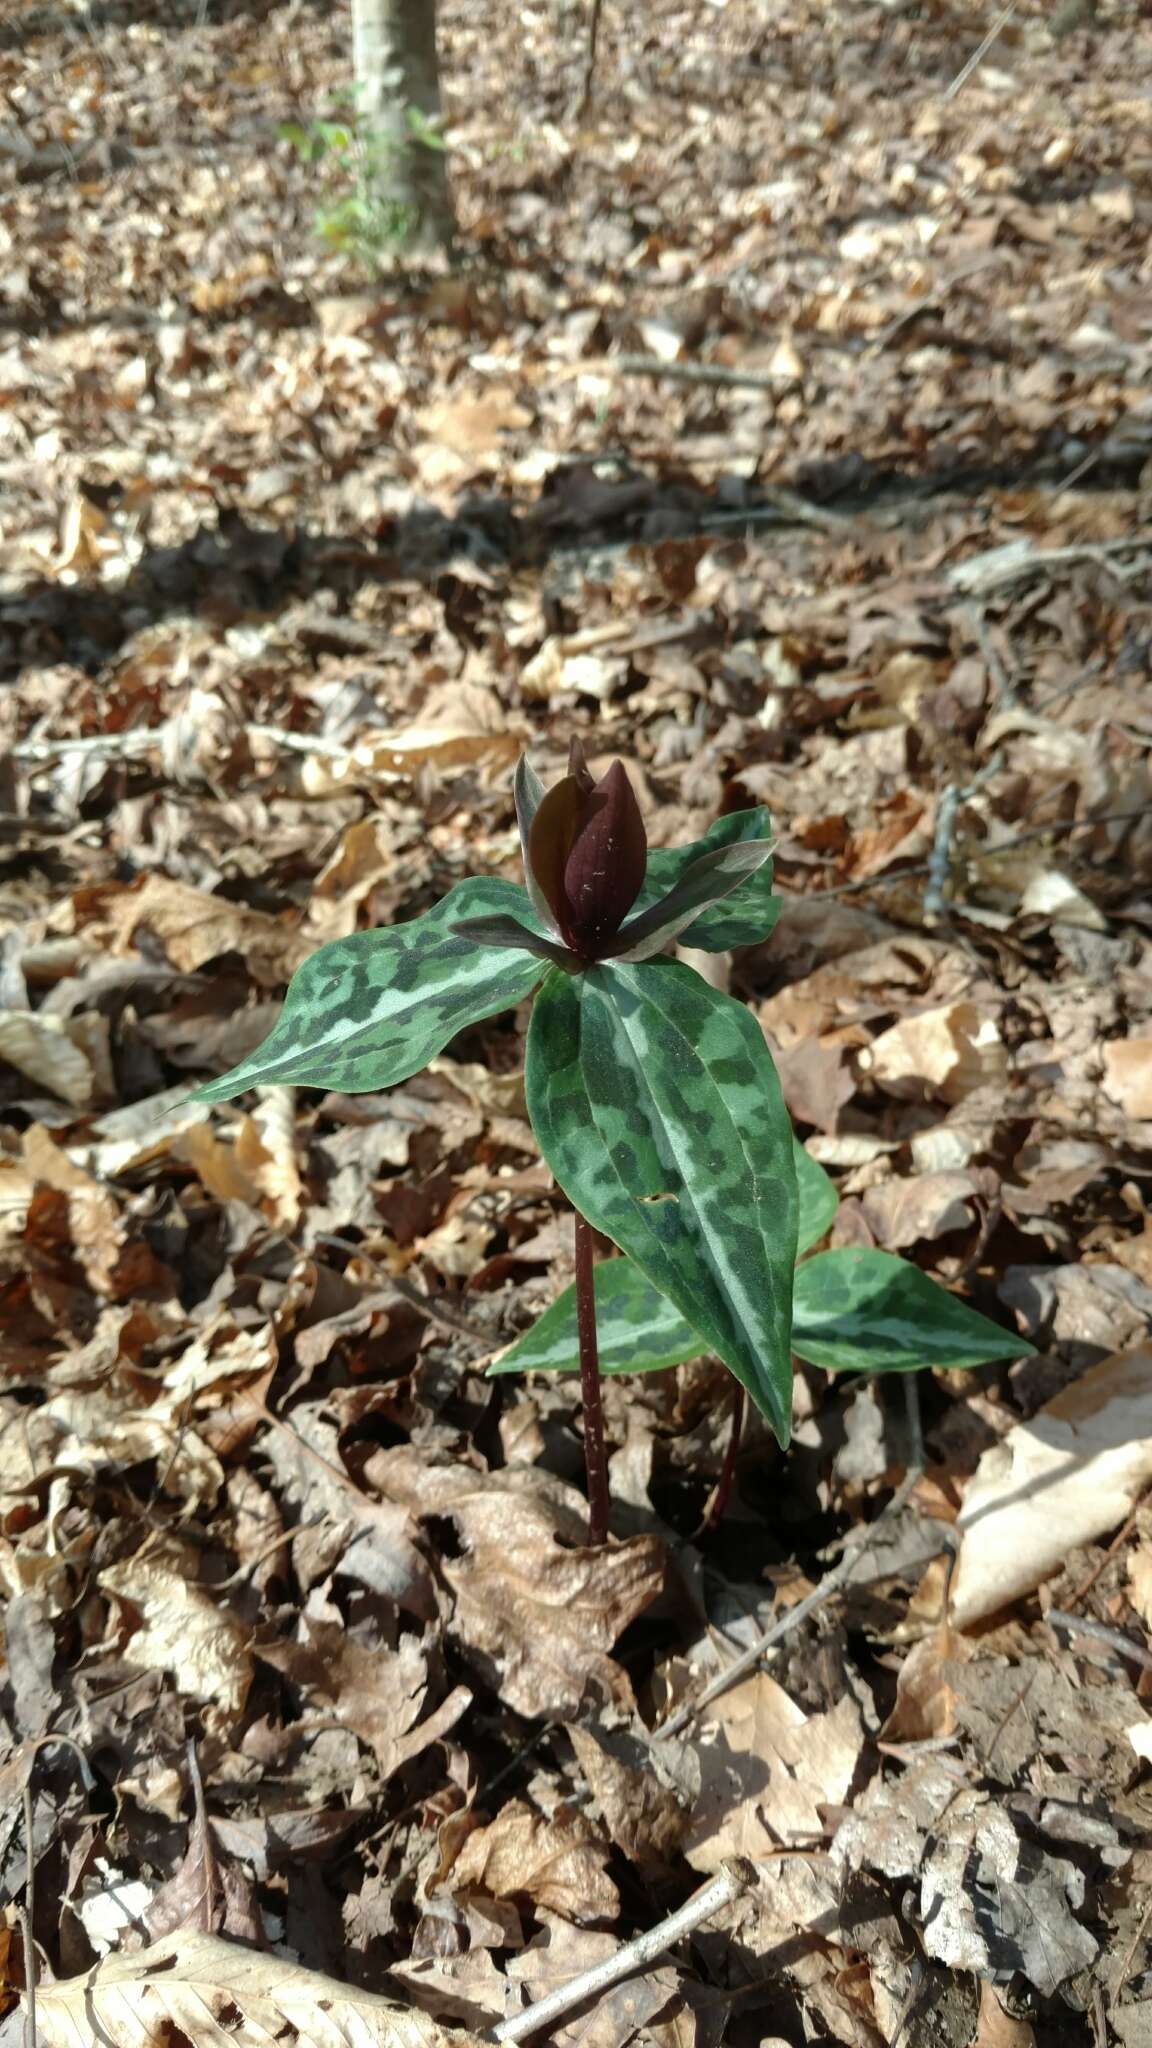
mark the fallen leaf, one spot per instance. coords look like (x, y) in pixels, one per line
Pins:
(558, 1864)
(45, 1049)
(535, 1609)
(1128, 1075)
(195, 1987)
(996, 2028)
(1068, 1475)
(946, 1052)
(176, 1627)
(766, 1770)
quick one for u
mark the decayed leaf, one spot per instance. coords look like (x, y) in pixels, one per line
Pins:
(561, 1952)
(194, 927)
(1128, 1075)
(200, 1989)
(379, 1693)
(925, 1698)
(184, 1631)
(992, 1902)
(946, 1052)
(536, 1610)
(645, 1790)
(45, 1049)
(767, 1768)
(1066, 1476)
(557, 1863)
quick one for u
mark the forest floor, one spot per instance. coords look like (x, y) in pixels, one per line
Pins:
(294, 562)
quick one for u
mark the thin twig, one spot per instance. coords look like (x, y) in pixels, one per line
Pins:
(27, 1910)
(1080, 1625)
(591, 1397)
(829, 1584)
(722, 1495)
(585, 99)
(735, 1878)
(1010, 564)
(936, 905)
(696, 373)
(1060, 827)
(962, 77)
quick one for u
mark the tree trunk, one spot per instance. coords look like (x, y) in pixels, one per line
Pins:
(398, 94)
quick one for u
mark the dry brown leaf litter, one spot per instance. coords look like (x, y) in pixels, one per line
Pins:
(292, 564)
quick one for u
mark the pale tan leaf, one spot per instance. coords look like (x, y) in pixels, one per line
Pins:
(946, 1052)
(197, 1988)
(767, 1768)
(42, 1048)
(181, 1630)
(1128, 1075)
(558, 1863)
(1059, 1480)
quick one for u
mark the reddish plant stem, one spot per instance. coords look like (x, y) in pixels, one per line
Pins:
(595, 1456)
(723, 1491)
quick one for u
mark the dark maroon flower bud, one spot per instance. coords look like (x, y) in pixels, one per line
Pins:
(586, 851)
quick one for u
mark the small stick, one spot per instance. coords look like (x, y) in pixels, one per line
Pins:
(962, 77)
(595, 1458)
(585, 99)
(1059, 828)
(27, 1910)
(696, 373)
(936, 904)
(720, 1498)
(1080, 1625)
(736, 1877)
(829, 1584)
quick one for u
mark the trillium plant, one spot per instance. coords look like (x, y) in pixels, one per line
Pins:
(653, 1097)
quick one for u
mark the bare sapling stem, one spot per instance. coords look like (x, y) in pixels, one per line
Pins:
(595, 1455)
(719, 1502)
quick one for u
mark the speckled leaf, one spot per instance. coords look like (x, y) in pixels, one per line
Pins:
(743, 918)
(868, 1311)
(702, 887)
(371, 1009)
(637, 1327)
(657, 1107)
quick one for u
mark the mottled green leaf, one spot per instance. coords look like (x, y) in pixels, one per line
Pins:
(703, 886)
(819, 1199)
(657, 1107)
(867, 1311)
(637, 1327)
(367, 1011)
(743, 918)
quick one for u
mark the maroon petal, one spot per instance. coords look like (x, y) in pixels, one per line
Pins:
(604, 869)
(550, 841)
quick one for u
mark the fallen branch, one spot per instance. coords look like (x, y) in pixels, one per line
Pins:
(736, 1877)
(1018, 561)
(696, 373)
(829, 1584)
(962, 76)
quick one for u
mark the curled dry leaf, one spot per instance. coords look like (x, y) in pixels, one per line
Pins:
(1068, 1475)
(195, 1987)
(194, 927)
(379, 1694)
(645, 1789)
(557, 1863)
(176, 1627)
(44, 1048)
(536, 1609)
(946, 1052)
